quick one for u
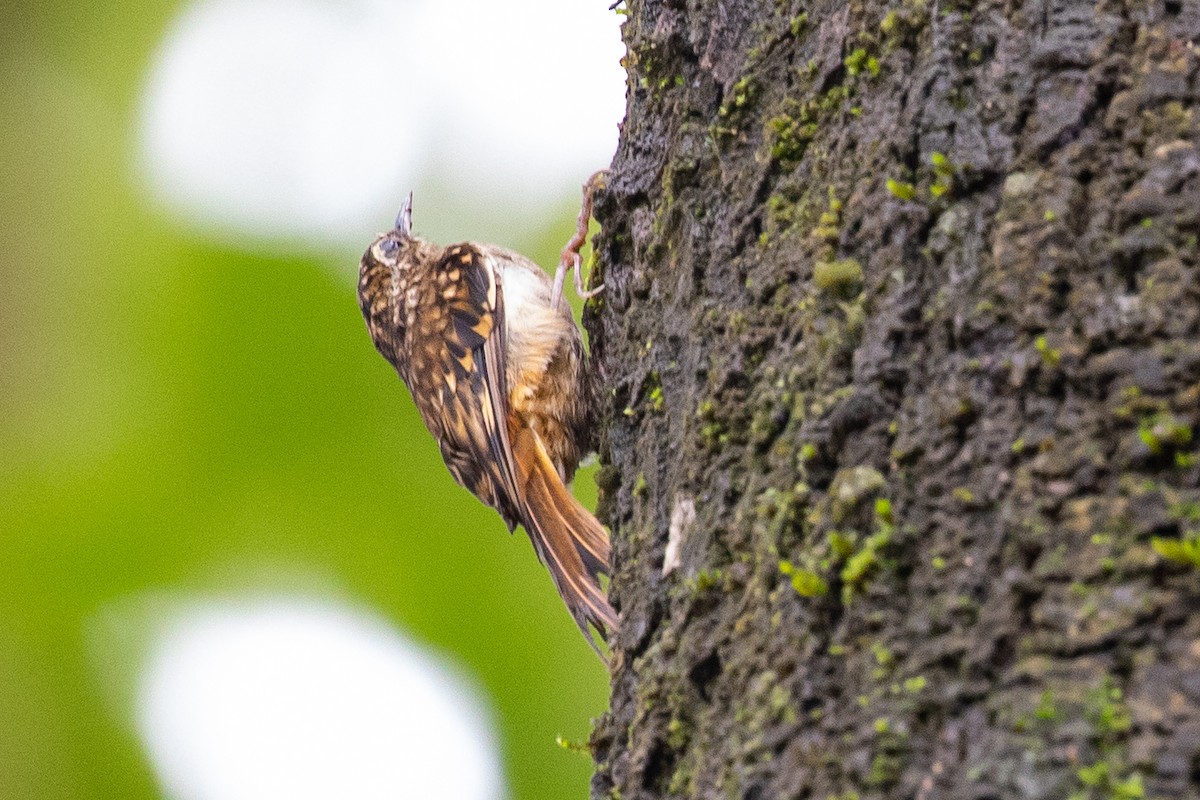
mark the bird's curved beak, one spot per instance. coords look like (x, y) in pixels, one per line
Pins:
(404, 218)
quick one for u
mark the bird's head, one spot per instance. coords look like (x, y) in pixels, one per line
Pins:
(384, 275)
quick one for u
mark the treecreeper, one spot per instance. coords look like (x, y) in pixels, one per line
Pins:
(495, 363)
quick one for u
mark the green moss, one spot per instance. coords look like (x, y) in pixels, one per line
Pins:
(1185, 510)
(915, 685)
(789, 138)
(677, 735)
(797, 123)
(764, 427)
(886, 769)
(782, 213)
(1107, 711)
(859, 61)
(1107, 778)
(828, 228)
(791, 131)
(680, 780)
(806, 582)
(883, 510)
(1163, 432)
(1046, 708)
(837, 275)
(860, 565)
(899, 24)
(712, 433)
(656, 398)
(841, 544)
(1098, 780)
(640, 487)
(901, 189)
(745, 91)
(706, 580)
(781, 506)
(574, 747)
(653, 388)
(943, 174)
(1184, 551)
(1050, 355)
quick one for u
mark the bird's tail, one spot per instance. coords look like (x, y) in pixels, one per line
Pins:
(569, 540)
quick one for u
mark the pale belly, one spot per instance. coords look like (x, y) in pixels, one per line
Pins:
(544, 365)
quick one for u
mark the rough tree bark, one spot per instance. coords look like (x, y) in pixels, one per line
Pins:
(902, 346)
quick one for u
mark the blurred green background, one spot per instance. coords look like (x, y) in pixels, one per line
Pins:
(182, 417)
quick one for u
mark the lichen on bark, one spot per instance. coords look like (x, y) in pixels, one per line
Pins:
(902, 309)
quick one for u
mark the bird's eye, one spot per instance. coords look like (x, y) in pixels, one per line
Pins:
(388, 248)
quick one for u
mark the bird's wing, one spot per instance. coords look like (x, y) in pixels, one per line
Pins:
(460, 381)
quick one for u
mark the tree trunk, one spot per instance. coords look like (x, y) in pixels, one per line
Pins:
(901, 345)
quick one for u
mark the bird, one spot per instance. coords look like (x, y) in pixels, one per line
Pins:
(496, 367)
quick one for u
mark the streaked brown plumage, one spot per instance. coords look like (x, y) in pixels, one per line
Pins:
(497, 369)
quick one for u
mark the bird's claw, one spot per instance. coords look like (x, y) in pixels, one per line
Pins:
(571, 259)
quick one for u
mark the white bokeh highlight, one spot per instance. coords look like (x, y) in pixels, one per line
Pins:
(299, 699)
(303, 120)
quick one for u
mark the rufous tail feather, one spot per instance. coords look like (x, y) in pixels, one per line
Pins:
(569, 540)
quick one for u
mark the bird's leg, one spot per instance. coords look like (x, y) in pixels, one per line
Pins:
(570, 258)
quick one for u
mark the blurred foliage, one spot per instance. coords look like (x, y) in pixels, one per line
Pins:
(181, 416)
